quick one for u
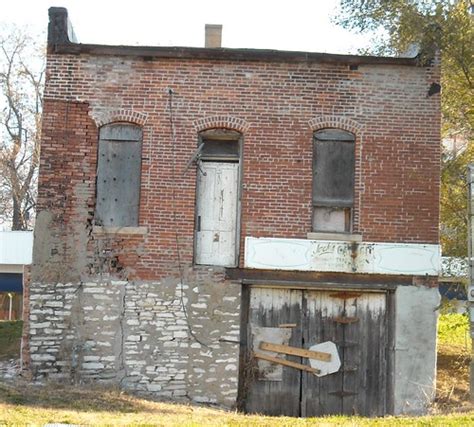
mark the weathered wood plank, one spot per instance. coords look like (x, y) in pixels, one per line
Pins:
(287, 325)
(369, 381)
(334, 135)
(353, 397)
(319, 309)
(121, 132)
(333, 173)
(318, 280)
(285, 362)
(216, 213)
(278, 348)
(270, 308)
(118, 183)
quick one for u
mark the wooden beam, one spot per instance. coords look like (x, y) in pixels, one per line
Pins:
(285, 362)
(287, 325)
(295, 351)
(321, 280)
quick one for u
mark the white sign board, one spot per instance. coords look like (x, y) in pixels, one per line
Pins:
(326, 368)
(344, 257)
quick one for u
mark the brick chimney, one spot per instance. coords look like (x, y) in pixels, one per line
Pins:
(213, 35)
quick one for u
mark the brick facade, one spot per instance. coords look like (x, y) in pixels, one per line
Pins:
(120, 284)
(277, 107)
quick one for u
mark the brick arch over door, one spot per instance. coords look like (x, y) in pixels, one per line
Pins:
(226, 122)
(347, 124)
(104, 117)
(344, 123)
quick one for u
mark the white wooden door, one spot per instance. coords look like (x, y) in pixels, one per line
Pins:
(216, 220)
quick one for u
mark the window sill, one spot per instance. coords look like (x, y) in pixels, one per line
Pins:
(141, 231)
(341, 237)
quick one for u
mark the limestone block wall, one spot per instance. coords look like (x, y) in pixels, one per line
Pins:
(160, 338)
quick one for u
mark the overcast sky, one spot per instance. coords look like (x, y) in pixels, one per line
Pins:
(264, 24)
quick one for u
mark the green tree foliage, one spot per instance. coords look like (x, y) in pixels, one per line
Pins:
(436, 25)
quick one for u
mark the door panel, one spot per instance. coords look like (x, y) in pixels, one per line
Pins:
(318, 395)
(271, 308)
(370, 381)
(216, 222)
(356, 322)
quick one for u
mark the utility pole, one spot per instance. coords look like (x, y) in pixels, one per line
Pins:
(470, 207)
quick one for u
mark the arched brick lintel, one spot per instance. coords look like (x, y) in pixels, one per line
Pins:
(226, 122)
(344, 123)
(102, 118)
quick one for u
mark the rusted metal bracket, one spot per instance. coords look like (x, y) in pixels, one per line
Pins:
(345, 295)
(345, 320)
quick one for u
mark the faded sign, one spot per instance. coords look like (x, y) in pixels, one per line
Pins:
(345, 257)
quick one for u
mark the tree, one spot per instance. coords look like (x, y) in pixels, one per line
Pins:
(21, 86)
(436, 25)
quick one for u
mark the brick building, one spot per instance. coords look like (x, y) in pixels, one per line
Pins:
(194, 203)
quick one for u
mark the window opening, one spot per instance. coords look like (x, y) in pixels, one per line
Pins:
(333, 180)
(118, 175)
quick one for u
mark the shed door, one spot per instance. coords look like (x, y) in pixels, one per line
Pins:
(355, 322)
(216, 215)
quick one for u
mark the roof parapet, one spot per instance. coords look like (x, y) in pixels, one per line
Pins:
(62, 40)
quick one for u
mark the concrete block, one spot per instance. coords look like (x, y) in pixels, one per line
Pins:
(415, 348)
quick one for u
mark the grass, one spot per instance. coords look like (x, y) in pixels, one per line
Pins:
(24, 403)
(10, 334)
(454, 353)
(35, 405)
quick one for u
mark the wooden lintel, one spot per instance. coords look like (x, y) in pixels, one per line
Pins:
(285, 362)
(318, 280)
(295, 351)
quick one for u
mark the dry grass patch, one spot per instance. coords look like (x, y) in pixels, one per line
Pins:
(38, 405)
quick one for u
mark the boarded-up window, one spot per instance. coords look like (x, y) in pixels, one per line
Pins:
(333, 180)
(118, 175)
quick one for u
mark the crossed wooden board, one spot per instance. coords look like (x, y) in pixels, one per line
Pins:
(294, 351)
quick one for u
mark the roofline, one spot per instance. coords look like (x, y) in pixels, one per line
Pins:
(61, 40)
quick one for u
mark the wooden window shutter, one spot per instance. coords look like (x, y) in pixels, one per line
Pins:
(333, 168)
(118, 175)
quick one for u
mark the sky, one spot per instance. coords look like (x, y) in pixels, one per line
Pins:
(262, 24)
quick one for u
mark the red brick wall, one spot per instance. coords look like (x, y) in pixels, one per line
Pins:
(277, 107)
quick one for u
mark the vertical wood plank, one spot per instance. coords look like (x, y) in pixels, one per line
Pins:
(270, 308)
(118, 183)
(368, 382)
(317, 392)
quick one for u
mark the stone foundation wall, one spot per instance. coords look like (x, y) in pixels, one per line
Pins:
(160, 338)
